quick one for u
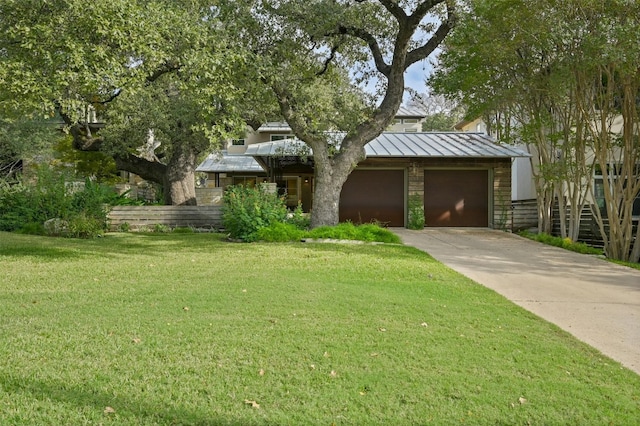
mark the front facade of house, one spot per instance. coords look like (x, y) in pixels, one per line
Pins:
(464, 179)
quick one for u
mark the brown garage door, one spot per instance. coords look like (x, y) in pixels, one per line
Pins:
(373, 195)
(456, 198)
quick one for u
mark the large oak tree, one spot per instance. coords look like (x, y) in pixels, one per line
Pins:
(306, 48)
(140, 68)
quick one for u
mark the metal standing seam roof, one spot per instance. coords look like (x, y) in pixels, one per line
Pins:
(406, 144)
(224, 162)
(275, 126)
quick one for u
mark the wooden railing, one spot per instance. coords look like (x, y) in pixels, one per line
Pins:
(146, 217)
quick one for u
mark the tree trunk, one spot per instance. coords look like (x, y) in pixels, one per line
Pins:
(635, 251)
(179, 179)
(330, 175)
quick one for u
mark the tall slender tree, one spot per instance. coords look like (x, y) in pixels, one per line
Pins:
(565, 74)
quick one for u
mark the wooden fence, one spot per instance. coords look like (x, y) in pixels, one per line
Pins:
(146, 217)
(524, 214)
(589, 231)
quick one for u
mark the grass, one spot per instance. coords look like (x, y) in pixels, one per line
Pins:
(565, 243)
(368, 232)
(577, 247)
(145, 329)
(627, 264)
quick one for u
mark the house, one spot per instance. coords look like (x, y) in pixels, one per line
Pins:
(522, 186)
(463, 178)
(523, 194)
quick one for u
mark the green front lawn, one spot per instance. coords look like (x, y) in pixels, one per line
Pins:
(187, 329)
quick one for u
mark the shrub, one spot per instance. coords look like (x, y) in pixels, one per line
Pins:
(565, 243)
(160, 228)
(50, 197)
(246, 210)
(299, 218)
(349, 231)
(33, 228)
(84, 225)
(280, 232)
(416, 212)
(23, 203)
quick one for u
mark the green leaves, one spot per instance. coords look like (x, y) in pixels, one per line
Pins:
(247, 210)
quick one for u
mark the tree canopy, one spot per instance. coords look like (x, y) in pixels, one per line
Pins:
(190, 69)
(558, 76)
(318, 55)
(122, 64)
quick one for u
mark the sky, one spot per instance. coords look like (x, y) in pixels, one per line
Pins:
(415, 76)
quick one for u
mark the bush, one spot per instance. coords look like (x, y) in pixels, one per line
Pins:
(299, 218)
(564, 243)
(23, 203)
(32, 228)
(416, 212)
(247, 210)
(160, 228)
(27, 206)
(83, 225)
(279, 232)
(348, 231)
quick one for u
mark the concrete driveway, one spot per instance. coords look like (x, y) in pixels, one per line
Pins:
(595, 300)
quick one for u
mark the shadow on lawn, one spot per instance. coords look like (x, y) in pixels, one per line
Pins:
(108, 247)
(126, 409)
(116, 245)
(48, 253)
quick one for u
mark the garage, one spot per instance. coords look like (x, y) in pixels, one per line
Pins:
(374, 195)
(456, 198)
(465, 178)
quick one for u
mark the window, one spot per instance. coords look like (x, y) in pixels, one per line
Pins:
(248, 181)
(411, 130)
(281, 137)
(410, 121)
(237, 142)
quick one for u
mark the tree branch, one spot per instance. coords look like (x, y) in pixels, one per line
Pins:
(287, 108)
(426, 6)
(394, 9)
(115, 94)
(148, 170)
(328, 61)
(167, 67)
(426, 49)
(374, 47)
